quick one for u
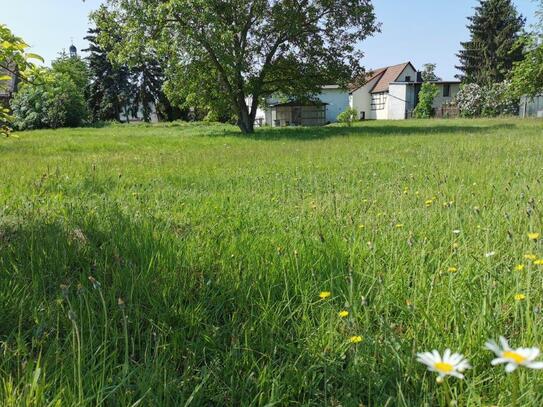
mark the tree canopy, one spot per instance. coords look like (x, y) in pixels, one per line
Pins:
(14, 62)
(493, 48)
(527, 77)
(231, 54)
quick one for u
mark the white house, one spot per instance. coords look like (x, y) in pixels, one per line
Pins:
(389, 93)
(392, 93)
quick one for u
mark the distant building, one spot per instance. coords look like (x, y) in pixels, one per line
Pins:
(393, 93)
(389, 93)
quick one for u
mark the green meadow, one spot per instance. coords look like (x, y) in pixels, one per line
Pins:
(181, 264)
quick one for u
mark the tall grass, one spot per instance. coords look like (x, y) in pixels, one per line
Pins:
(181, 265)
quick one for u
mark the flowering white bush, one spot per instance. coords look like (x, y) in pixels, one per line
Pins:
(470, 100)
(499, 100)
(489, 101)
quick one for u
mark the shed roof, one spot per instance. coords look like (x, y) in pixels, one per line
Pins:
(294, 103)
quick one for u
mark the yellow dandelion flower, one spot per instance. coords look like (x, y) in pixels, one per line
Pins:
(531, 257)
(520, 297)
(399, 225)
(343, 314)
(533, 235)
(428, 202)
(325, 294)
(538, 262)
(452, 269)
(519, 267)
(361, 226)
(355, 339)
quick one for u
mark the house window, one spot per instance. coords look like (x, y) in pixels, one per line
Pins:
(378, 101)
(446, 90)
(408, 79)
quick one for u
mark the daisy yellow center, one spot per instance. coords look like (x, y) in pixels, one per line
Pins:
(514, 356)
(444, 367)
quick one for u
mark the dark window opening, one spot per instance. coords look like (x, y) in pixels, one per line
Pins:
(446, 90)
(408, 79)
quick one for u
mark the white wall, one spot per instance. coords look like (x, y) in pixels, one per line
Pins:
(397, 101)
(360, 99)
(337, 101)
(408, 71)
(440, 100)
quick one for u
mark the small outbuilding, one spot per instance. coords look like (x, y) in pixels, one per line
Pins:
(297, 113)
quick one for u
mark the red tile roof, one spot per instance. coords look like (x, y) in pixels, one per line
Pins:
(386, 75)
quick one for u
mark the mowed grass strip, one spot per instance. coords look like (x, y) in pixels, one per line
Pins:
(208, 250)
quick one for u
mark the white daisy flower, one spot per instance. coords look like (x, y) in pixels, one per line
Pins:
(490, 254)
(513, 357)
(451, 364)
(456, 231)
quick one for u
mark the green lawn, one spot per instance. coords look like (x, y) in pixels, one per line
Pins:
(219, 245)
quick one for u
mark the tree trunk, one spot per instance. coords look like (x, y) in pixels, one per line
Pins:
(246, 120)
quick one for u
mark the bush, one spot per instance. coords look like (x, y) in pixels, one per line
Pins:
(427, 94)
(499, 100)
(488, 101)
(51, 100)
(347, 117)
(470, 100)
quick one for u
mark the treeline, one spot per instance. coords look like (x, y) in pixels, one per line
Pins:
(77, 91)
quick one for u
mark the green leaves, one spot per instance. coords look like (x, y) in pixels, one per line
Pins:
(228, 51)
(34, 56)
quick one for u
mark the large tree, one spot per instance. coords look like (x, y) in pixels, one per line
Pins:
(108, 92)
(235, 52)
(493, 48)
(527, 77)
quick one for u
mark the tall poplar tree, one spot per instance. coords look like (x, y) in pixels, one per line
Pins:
(493, 48)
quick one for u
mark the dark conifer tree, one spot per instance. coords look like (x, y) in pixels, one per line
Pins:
(489, 55)
(108, 93)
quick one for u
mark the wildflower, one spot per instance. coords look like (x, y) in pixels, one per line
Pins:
(490, 254)
(533, 235)
(355, 339)
(513, 357)
(456, 231)
(361, 226)
(520, 297)
(325, 294)
(529, 256)
(399, 225)
(428, 202)
(343, 314)
(452, 269)
(538, 262)
(455, 245)
(449, 365)
(519, 267)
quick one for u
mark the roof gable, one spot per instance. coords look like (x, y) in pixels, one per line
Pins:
(391, 74)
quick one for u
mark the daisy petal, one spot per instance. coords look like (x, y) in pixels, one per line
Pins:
(510, 367)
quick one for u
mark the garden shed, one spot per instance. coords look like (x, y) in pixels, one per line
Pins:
(298, 114)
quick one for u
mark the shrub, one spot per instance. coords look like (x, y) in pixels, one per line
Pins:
(347, 117)
(50, 100)
(470, 100)
(499, 100)
(427, 93)
(488, 101)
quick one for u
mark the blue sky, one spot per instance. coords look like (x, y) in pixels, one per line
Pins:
(419, 31)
